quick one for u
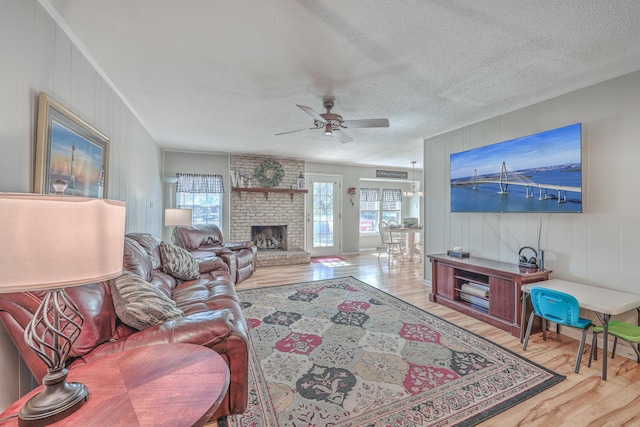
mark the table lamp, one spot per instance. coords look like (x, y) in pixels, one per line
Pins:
(49, 243)
(173, 217)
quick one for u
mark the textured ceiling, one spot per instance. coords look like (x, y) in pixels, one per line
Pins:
(225, 76)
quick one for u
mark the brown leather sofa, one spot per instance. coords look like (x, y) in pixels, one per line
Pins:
(201, 240)
(212, 318)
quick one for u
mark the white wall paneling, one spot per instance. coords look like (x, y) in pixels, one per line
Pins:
(596, 247)
(38, 56)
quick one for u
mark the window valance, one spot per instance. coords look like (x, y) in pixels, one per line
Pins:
(369, 194)
(199, 183)
(391, 195)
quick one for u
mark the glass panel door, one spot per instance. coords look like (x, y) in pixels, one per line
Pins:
(323, 215)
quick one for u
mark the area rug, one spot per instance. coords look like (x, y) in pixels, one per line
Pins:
(339, 352)
(325, 259)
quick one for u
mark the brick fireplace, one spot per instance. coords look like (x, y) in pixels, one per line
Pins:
(269, 216)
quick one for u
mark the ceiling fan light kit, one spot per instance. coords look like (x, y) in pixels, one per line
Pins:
(334, 123)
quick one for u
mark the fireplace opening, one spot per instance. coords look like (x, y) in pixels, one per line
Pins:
(269, 237)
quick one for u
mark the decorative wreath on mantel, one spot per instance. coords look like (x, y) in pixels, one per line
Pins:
(269, 173)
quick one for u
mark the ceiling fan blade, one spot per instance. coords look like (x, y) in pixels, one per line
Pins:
(341, 136)
(292, 131)
(366, 123)
(312, 113)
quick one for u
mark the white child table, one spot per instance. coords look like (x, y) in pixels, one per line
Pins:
(603, 302)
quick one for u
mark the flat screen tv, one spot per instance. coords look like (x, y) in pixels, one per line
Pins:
(534, 173)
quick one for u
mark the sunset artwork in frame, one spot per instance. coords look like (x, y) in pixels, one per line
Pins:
(70, 153)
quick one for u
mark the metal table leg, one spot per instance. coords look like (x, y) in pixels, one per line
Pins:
(522, 317)
(604, 318)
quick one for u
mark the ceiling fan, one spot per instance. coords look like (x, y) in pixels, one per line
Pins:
(333, 123)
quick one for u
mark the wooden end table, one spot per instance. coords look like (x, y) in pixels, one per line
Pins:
(158, 385)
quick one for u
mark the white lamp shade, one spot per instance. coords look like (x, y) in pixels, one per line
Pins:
(177, 217)
(52, 242)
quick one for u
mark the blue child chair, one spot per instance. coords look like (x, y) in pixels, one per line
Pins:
(560, 308)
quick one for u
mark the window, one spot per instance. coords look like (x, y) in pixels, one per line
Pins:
(206, 207)
(203, 195)
(377, 204)
(369, 208)
(391, 204)
(369, 217)
(392, 210)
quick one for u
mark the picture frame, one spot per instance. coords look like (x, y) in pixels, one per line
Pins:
(70, 153)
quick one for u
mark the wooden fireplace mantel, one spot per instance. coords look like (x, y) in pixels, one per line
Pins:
(266, 191)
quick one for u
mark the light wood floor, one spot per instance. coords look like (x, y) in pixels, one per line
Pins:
(581, 400)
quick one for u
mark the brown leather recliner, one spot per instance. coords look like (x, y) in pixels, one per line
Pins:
(213, 318)
(200, 240)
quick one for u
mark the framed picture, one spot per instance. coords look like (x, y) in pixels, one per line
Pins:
(71, 156)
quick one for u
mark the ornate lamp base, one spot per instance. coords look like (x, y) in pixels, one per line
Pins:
(57, 400)
(55, 326)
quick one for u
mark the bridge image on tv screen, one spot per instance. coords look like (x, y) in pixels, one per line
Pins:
(535, 173)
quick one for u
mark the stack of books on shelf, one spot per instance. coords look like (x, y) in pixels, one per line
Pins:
(475, 294)
(476, 289)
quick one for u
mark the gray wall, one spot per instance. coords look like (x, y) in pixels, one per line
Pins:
(358, 176)
(596, 247)
(197, 163)
(38, 56)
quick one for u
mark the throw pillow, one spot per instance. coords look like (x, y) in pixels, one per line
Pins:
(150, 244)
(178, 262)
(139, 304)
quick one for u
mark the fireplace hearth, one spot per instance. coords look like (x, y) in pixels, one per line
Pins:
(269, 237)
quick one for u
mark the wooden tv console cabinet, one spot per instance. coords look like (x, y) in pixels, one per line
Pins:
(491, 292)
